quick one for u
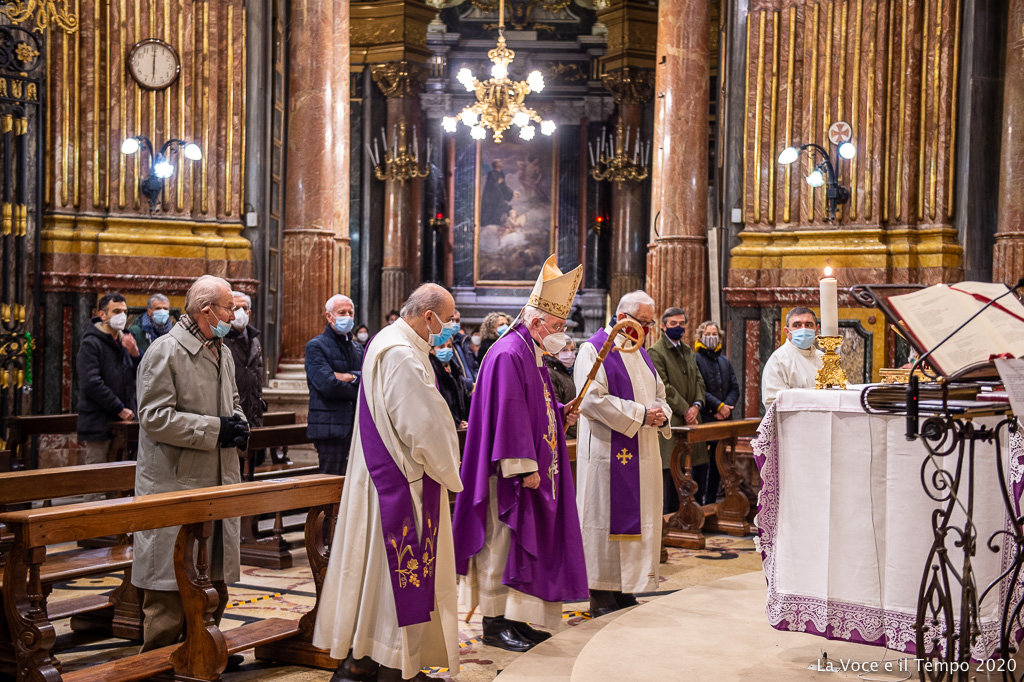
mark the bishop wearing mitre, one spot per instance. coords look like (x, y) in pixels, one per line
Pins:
(517, 533)
(618, 462)
(389, 601)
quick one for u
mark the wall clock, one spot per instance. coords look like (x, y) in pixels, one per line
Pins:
(153, 64)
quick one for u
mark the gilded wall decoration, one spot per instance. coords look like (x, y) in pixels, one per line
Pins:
(630, 85)
(42, 12)
(399, 79)
(519, 14)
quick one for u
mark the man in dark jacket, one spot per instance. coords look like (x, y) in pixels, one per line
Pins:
(244, 343)
(333, 368)
(465, 358)
(107, 358)
(153, 323)
(721, 391)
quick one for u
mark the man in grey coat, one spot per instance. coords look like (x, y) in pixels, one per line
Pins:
(190, 425)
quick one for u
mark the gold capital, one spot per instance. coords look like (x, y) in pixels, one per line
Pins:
(399, 79)
(630, 85)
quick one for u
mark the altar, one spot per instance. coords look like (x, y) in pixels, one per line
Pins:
(845, 523)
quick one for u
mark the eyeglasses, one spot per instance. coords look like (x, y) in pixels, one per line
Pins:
(646, 325)
(558, 328)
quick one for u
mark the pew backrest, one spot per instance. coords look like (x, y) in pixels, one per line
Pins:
(702, 433)
(47, 484)
(279, 418)
(21, 428)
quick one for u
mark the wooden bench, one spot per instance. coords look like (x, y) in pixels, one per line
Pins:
(731, 515)
(117, 613)
(203, 654)
(21, 429)
(5, 461)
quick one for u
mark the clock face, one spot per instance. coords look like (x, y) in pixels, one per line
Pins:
(153, 64)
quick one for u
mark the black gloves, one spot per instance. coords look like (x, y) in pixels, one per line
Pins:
(234, 431)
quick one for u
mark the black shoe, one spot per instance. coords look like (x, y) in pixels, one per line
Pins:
(624, 600)
(527, 632)
(501, 633)
(351, 670)
(602, 602)
(234, 662)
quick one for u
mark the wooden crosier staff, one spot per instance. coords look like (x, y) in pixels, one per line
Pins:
(608, 347)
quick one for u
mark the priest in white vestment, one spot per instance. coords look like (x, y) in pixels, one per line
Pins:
(620, 417)
(796, 362)
(376, 610)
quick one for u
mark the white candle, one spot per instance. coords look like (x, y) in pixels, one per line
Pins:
(829, 304)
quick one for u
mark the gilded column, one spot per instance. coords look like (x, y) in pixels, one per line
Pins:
(632, 88)
(340, 81)
(677, 259)
(1008, 254)
(315, 155)
(400, 82)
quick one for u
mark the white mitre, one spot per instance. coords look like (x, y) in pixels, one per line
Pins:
(553, 293)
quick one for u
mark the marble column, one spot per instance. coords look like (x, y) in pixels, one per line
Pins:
(401, 82)
(632, 88)
(315, 238)
(1008, 254)
(677, 259)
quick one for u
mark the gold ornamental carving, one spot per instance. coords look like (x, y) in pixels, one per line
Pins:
(630, 85)
(44, 12)
(831, 374)
(521, 12)
(399, 79)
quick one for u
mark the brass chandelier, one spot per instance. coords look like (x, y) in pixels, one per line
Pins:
(499, 103)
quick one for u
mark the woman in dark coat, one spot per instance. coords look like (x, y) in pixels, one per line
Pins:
(449, 382)
(721, 391)
(560, 370)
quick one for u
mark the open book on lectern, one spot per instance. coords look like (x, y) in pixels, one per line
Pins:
(931, 314)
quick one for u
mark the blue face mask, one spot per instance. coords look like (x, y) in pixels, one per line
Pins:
(802, 338)
(458, 327)
(222, 329)
(447, 332)
(502, 329)
(343, 325)
(444, 354)
(160, 317)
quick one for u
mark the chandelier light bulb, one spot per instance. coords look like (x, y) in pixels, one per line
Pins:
(477, 132)
(499, 71)
(470, 117)
(816, 179)
(465, 76)
(520, 119)
(193, 152)
(789, 155)
(130, 146)
(535, 80)
(527, 132)
(448, 123)
(547, 127)
(847, 150)
(163, 168)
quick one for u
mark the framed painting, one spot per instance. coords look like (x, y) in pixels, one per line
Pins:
(515, 210)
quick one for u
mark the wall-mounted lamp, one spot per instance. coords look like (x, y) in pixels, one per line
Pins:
(825, 172)
(160, 166)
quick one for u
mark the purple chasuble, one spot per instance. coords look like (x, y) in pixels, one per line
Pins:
(510, 418)
(410, 558)
(625, 455)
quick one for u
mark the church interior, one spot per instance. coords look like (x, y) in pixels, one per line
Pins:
(740, 161)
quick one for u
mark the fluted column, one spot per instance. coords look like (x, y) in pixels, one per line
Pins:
(1008, 254)
(632, 88)
(315, 238)
(400, 82)
(677, 259)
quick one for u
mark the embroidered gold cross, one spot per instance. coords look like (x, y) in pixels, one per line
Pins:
(624, 456)
(551, 438)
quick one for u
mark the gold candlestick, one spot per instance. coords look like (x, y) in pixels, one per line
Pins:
(831, 374)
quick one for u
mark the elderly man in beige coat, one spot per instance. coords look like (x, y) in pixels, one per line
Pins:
(190, 424)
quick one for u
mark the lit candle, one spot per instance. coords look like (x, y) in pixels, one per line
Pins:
(829, 304)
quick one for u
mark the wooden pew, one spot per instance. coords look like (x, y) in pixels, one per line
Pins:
(203, 655)
(5, 461)
(683, 528)
(279, 418)
(118, 613)
(258, 548)
(21, 429)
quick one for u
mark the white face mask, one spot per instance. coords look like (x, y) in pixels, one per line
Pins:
(475, 339)
(363, 337)
(118, 321)
(554, 342)
(241, 319)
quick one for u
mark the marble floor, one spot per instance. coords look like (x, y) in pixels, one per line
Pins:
(263, 593)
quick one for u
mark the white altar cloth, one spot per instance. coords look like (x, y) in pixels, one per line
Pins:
(845, 524)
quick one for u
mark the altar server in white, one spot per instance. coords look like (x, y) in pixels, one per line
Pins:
(618, 459)
(389, 601)
(796, 362)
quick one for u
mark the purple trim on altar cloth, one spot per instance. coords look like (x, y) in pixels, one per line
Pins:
(857, 623)
(410, 560)
(624, 462)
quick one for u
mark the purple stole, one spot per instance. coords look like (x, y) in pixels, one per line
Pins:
(625, 455)
(410, 559)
